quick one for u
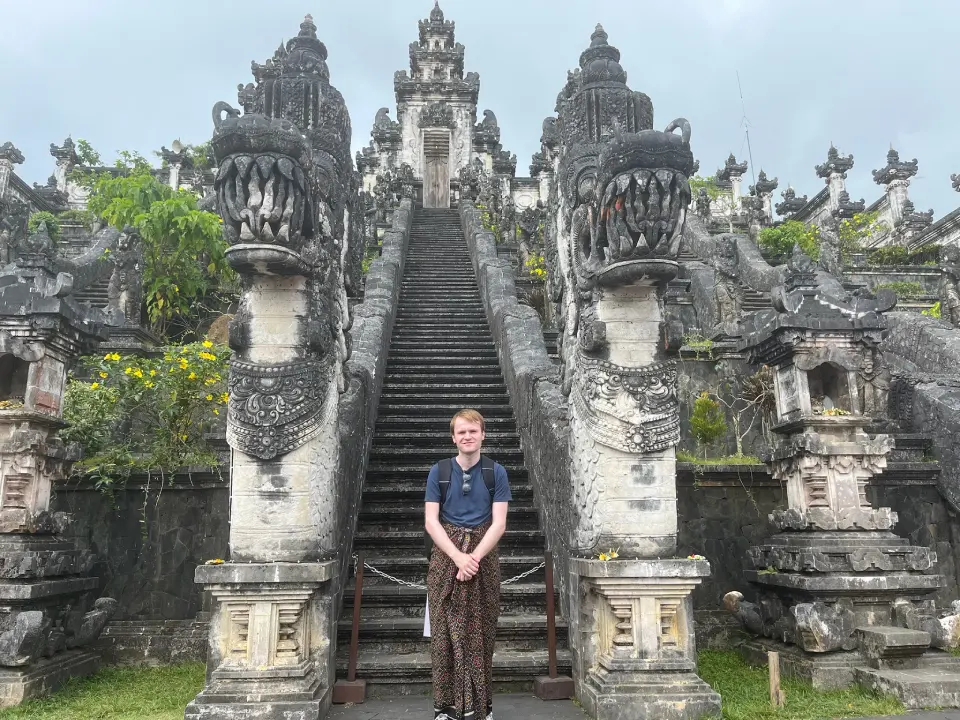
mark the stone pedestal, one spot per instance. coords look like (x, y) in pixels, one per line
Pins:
(270, 634)
(640, 660)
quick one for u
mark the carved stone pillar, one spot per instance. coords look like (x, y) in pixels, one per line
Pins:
(66, 156)
(622, 192)
(286, 195)
(834, 173)
(47, 609)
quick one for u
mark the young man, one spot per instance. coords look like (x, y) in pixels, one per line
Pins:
(466, 520)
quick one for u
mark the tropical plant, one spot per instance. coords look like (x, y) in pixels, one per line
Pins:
(707, 424)
(903, 289)
(146, 414)
(535, 268)
(778, 241)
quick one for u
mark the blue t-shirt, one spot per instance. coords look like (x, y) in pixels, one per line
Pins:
(467, 510)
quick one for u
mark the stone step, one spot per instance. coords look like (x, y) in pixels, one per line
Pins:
(400, 455)
(445, 409)
(442, 344)
(398, 487)
(466, 399)
(405, 541)
(400, 517)
(405, 635)
(448, 362)
(440, 437)
(410, 673)
(393, 600)
(413, 567)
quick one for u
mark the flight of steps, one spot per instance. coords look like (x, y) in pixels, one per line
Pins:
(442, 359)
(95, 295)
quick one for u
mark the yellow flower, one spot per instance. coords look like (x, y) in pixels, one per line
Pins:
(138, 373)
(208, 356)
(128, 371)
(183, 437)
(224, 397)
(183, 363)
(115, 356)
(215, 561)
(107, 356)
(94, 386)
(207, 344)
(603, 556)
(103, 375)
(148, 384)
(216, 412)
(192, 376)
(209, 397)
(209, 381)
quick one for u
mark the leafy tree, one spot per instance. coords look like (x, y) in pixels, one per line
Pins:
(707, 423)
(53, 224)
(183, 246)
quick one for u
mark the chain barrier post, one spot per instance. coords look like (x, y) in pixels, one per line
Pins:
(552, 686)
(352, 690)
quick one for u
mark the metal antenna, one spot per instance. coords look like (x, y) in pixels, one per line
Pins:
(746, 125)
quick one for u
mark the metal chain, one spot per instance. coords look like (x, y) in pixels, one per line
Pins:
(416, 586)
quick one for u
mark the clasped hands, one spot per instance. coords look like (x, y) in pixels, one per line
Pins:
(467, 565)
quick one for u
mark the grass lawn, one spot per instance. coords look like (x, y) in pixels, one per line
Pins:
(119, 694)
(746, 694)
(163, 693)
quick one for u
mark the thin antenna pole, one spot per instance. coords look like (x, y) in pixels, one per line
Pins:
(746, 124)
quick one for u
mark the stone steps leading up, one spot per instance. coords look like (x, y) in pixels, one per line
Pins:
(442, 358)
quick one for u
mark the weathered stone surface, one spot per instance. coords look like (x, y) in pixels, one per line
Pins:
(892, 647)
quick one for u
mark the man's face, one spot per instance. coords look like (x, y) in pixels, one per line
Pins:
(467, 436)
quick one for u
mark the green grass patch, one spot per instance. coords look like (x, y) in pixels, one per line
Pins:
(746, 694)
(689, 457)
(119, 694)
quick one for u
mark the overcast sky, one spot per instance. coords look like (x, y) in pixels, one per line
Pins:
(862, 74)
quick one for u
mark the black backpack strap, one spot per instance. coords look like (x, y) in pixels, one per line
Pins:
(445, 468)
(487, 469)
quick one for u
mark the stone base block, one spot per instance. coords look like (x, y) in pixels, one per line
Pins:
(917, 689)
(197, 710)
(558, 688)
(892, 647)
(45, 676)
(825, 671)
(650, 696)
(349, 691)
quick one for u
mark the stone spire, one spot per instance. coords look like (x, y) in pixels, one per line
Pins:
(834, 173)
(791, 203)
(895, 176)
(763, 189)
(9, 156)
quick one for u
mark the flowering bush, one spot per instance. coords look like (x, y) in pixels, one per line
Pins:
(536, 268)
(147, 414)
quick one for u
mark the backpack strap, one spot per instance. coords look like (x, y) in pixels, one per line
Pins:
(487, 469)
(445, 468)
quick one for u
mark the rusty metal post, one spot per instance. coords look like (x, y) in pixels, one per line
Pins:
(552, 686)
(352, 690)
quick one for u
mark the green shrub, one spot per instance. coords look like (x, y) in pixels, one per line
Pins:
(779, 240)
(898, 255)
(707, 423)
(933, 312)
(53, 224)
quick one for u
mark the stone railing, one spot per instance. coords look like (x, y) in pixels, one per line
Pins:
(369, 339)
(927, 393)
(533, 384)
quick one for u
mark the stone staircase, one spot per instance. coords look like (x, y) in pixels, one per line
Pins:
(95, 295)
(442, 359)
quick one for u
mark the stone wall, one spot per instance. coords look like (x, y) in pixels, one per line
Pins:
(533, 384)
(927, 276)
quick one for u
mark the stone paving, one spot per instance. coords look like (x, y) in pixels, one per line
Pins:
(516, 706)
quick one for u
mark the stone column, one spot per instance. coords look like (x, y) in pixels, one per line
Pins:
(9, 156)
(623, 192)
(48, 607)
(273, 627)
(763, 189)
(895, 176)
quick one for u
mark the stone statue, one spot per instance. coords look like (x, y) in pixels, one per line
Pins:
(873, 384)
(830, 260)
(125, 291)
(727, 290)
(949, 290)
(528, 235)
(703, 204)
(14, 217)
(508, 220)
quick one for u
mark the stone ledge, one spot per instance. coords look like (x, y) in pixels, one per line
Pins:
(641, 568)
(266, 573)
